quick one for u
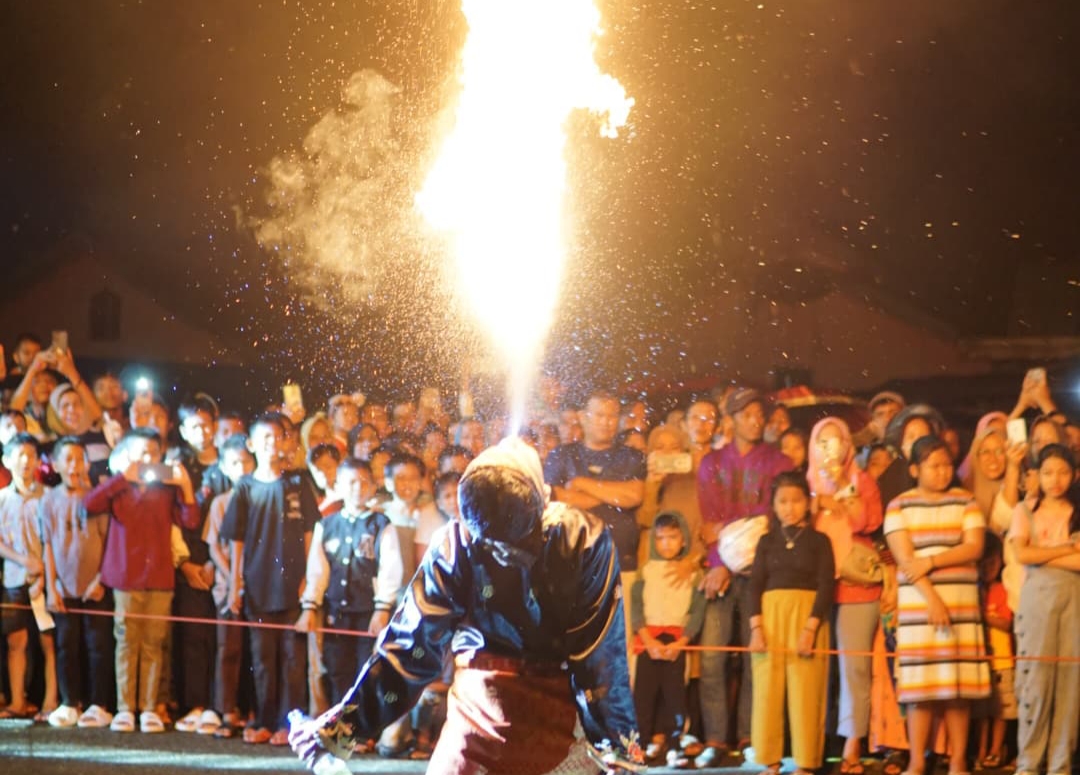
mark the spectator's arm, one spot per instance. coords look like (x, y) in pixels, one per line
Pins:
(1026, 554)
(236, 576)
(621, 494)
(1067, 562)
(574, 498)
(111, 496)
(697, 615)
(21, 397)
(65, 364)
(390, 576)
(864, 511)
(317, 573)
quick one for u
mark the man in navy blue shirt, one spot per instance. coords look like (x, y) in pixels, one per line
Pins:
(601, 476)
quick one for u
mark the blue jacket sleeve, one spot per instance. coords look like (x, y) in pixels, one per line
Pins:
(599, 673)
(409, 653)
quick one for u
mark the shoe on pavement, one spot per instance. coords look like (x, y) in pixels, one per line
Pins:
(190, 722)
(209, 722)
(95, 717)
(150, 722)
(711, 756)
(124, 721)
(63, 717)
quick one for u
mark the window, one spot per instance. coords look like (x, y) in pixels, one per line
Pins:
(104, 316)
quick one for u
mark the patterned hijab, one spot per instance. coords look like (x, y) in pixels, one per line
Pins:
(829, 476)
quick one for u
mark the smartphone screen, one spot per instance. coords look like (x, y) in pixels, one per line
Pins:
(60, 341)
(155, 472)
(1016, 431)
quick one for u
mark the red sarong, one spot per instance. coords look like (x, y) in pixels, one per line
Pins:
(509, 722)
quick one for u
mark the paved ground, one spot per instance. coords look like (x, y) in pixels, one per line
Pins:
(37, 749)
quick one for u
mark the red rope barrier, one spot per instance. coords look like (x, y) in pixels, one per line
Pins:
(726, 649)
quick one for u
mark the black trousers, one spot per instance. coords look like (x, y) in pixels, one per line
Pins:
(344, 655)
(279, 662)
(85, 641)
(660, 683)
(194, 648)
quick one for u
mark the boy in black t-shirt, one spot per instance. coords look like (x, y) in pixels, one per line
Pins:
(268, 524)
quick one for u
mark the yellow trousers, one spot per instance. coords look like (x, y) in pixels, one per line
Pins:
(802, 679)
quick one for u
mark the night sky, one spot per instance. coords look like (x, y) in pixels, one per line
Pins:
(927, 149)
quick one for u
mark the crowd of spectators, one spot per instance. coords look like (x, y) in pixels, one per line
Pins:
(187, 566)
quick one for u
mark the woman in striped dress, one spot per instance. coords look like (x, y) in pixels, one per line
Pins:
(935, 533)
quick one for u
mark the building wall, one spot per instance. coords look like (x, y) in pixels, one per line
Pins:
(61, 300)
(843, 341)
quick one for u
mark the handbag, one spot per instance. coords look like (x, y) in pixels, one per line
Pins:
(862, 566)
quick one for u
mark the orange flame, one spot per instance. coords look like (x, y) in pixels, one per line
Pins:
(496, 189)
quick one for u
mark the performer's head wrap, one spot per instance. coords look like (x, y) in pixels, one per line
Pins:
(502, 493)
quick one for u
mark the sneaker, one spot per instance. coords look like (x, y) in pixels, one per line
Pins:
(124, 721)
(190, 722)
(95, 717)
(63, 717)
(150, 722)
(654, 751)
(676, 759)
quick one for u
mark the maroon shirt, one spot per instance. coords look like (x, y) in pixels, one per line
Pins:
(732, 486)
(138, 551)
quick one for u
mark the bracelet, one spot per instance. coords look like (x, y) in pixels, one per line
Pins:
(75, 385)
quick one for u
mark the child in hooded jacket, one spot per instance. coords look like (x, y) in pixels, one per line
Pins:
(666, 613)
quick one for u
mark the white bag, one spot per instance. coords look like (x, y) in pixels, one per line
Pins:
(738, 542)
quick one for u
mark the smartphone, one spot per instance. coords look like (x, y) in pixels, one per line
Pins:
(1016, 431)
(60, 341)
(155, 472)
(292, 396)
(144, 394)
(672, 462)
(1037, 375)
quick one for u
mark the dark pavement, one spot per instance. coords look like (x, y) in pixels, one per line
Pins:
(38, 749)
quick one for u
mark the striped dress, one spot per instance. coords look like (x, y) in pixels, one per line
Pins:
(939, 664)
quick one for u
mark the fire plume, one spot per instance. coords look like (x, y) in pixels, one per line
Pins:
(497, 187)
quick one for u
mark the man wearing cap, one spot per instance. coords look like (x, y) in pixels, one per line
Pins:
(883, 407)
(527, 599)
(733, 483)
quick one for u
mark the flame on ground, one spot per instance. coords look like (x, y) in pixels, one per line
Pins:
(496, 189)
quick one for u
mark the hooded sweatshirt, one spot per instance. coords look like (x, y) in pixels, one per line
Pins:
(659, 604)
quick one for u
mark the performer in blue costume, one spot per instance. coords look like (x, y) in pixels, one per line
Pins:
(526, 598)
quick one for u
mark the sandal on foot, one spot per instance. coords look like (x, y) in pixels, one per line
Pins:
(852, 768)
(894, 764)
(256, 735)
(279, 738)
